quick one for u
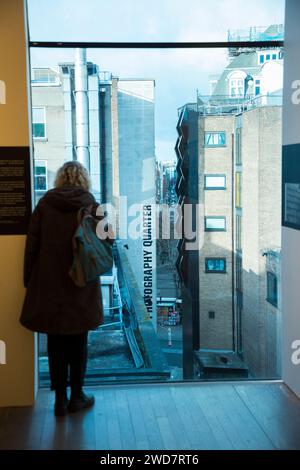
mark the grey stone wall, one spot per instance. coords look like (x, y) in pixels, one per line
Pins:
(261, 154)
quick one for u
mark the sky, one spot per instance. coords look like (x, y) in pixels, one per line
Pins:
(177, 73)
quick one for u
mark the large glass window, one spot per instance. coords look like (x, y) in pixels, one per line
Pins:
(174, 148)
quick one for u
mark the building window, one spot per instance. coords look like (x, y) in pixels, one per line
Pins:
(238, 146)
(237, 87)
(215, 265)
(214, 182)
(40, 175)
(272, 289)
(215, 224)
(45, 76)
(38, 123)
(238, 190)
(267, 56)
(257, 87)
(215, 139)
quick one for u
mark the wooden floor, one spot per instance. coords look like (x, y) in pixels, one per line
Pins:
(221, 416)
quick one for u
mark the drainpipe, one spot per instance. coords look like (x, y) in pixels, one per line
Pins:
(82, 108)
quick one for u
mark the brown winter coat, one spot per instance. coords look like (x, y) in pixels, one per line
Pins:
(53, 304)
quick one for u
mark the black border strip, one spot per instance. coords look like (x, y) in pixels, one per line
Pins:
(158, 45)
(140, 458)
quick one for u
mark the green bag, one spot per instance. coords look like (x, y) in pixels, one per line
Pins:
(92, 256)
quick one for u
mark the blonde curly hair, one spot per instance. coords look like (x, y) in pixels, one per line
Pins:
(72, 173)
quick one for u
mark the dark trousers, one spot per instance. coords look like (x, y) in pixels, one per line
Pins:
(67, 353)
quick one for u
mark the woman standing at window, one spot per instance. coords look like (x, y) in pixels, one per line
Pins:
(53, 304)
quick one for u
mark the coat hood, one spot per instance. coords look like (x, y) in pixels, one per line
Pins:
(69, 198)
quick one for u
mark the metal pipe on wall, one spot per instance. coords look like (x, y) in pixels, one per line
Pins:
(82, 108)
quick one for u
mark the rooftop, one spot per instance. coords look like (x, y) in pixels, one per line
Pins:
(220, 105)
(257, 33)
(224, 104)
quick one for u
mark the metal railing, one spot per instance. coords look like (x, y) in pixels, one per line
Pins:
(218, 105)
(225, 104)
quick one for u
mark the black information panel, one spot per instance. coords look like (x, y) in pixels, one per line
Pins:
(15, 192)
(291, 186)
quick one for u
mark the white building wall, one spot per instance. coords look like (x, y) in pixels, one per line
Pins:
(261, 206)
